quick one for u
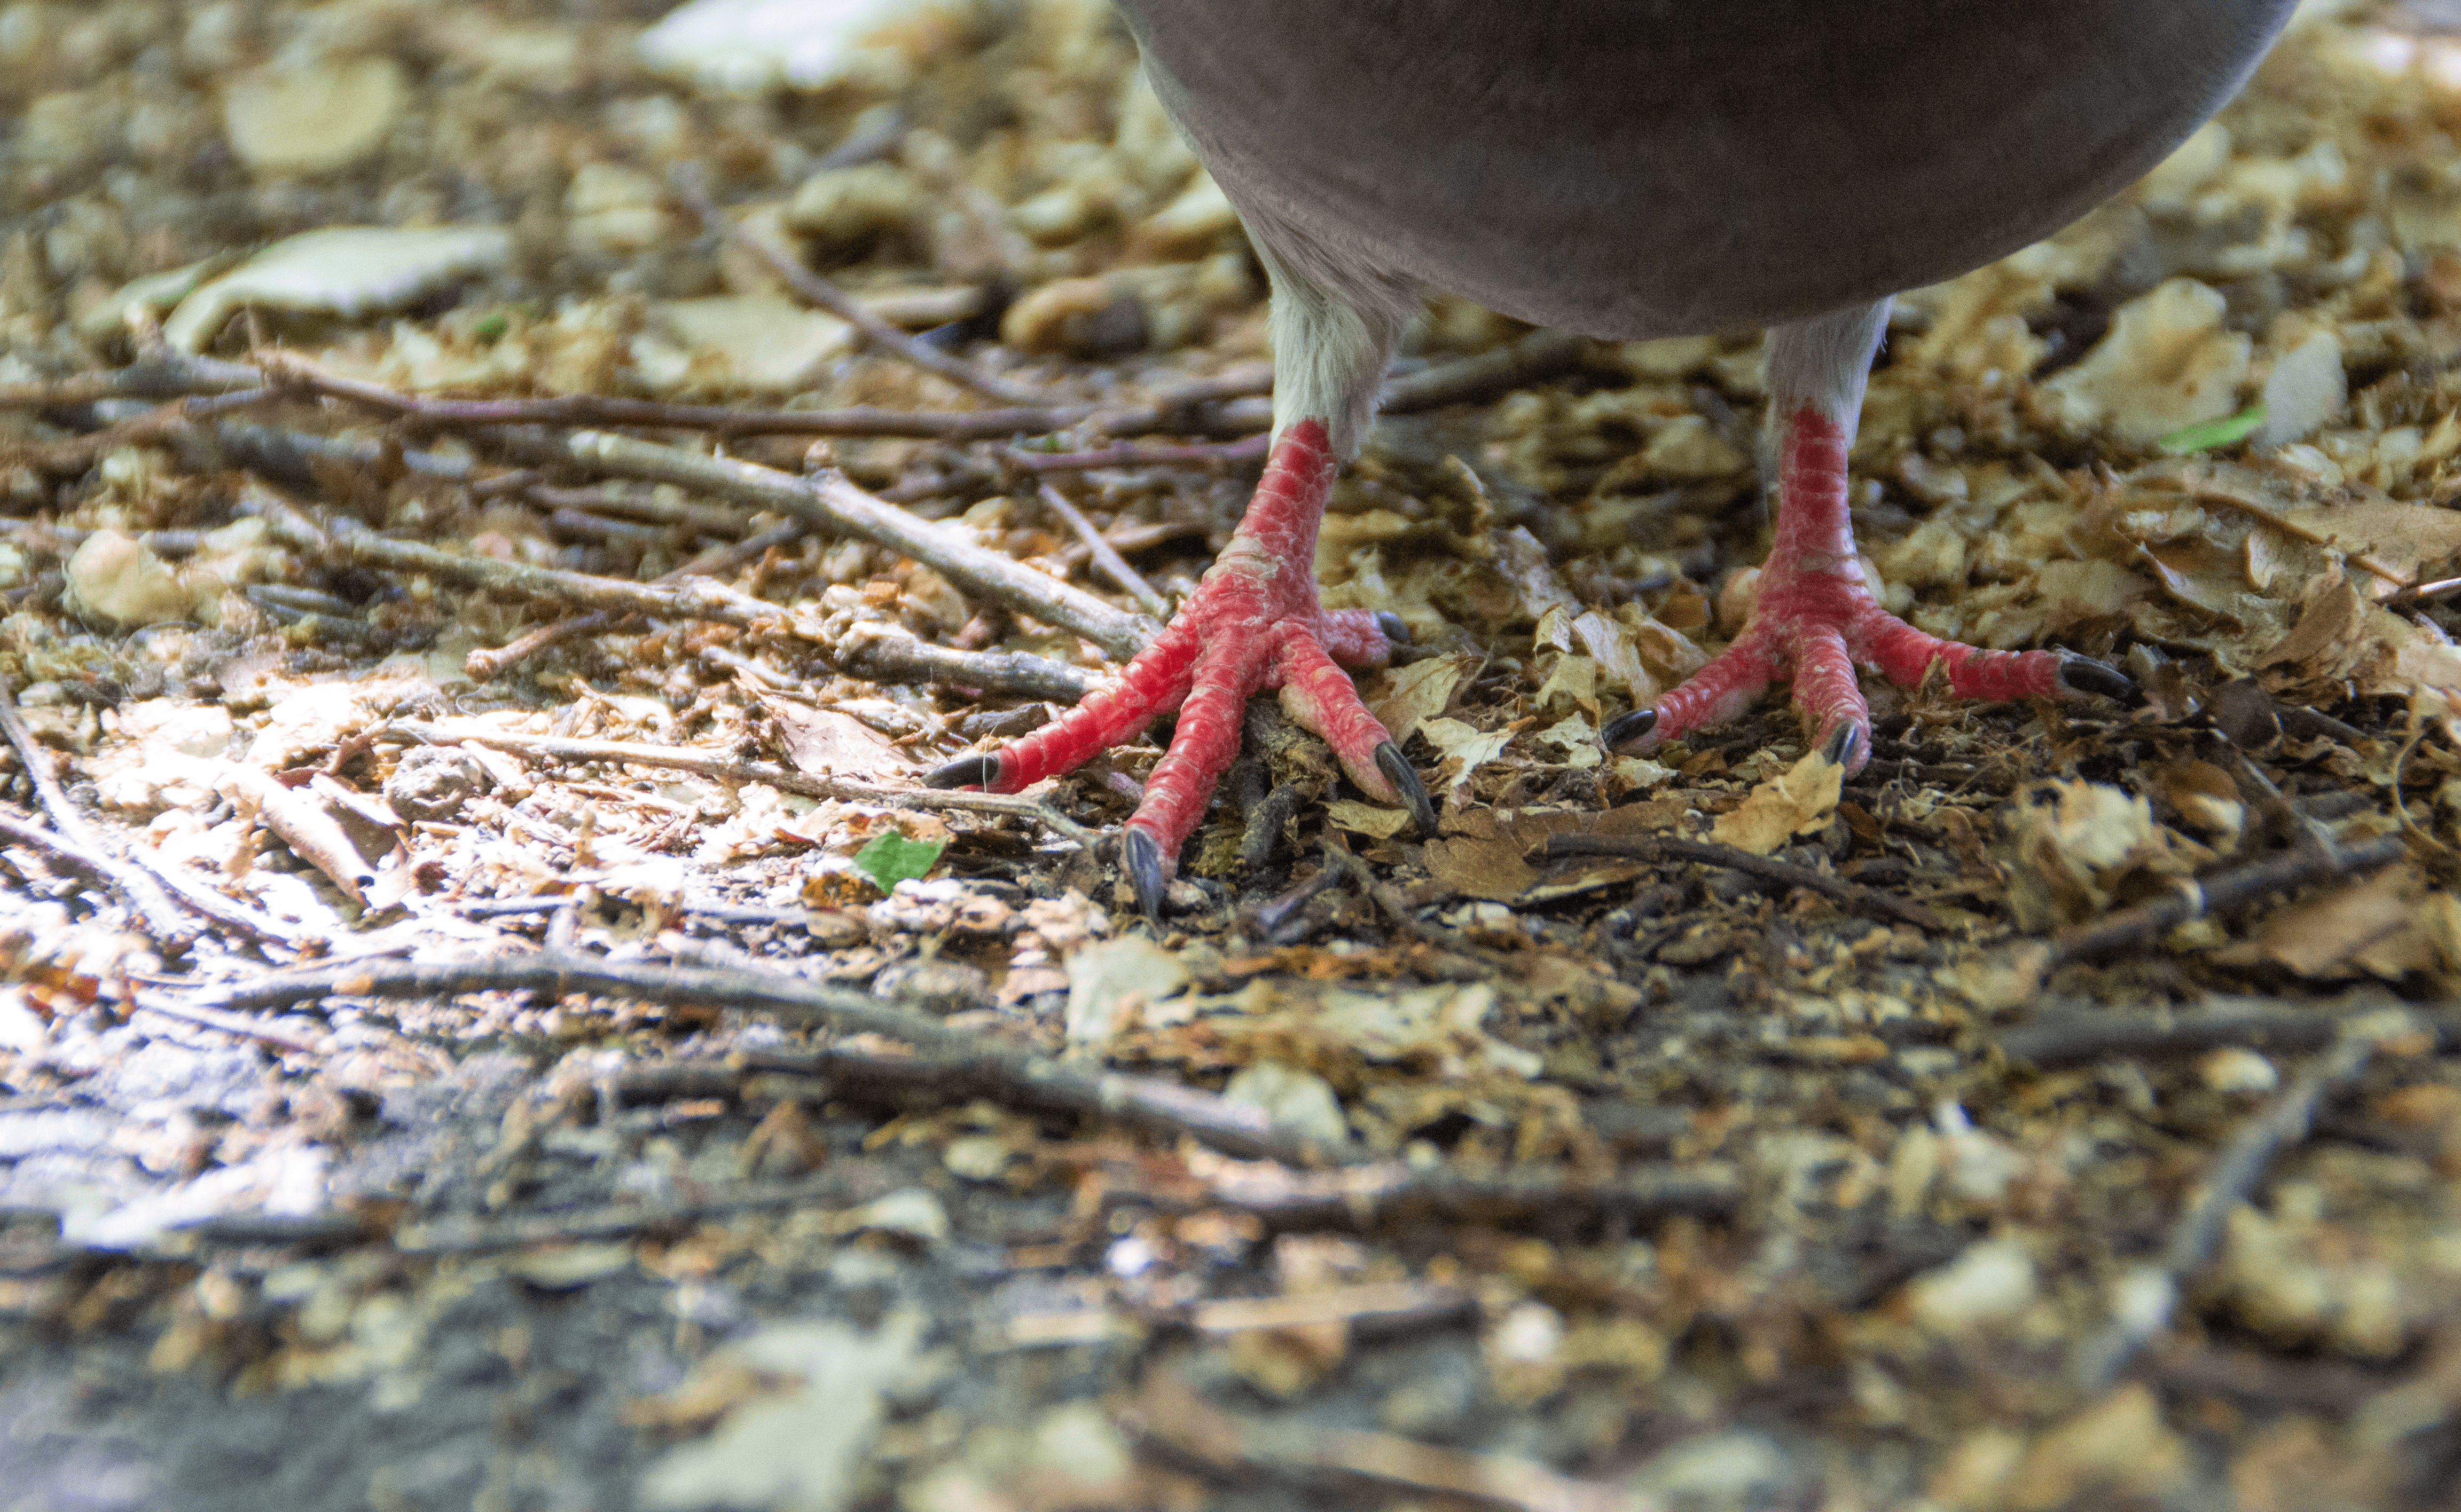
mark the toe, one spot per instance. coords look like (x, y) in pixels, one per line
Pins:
(1623, 731)
(2083, 675)
(1140, 857)
(974, 771)
(1404, 777)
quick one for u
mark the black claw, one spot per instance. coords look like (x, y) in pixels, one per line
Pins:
(1628, 728)
(974, 771)
(1399, 772)
(1142, 855)
(1843, 743)
(2083, 675)
(1393, 627)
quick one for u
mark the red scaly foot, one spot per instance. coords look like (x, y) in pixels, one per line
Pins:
(1254, 623)
(1816, 621)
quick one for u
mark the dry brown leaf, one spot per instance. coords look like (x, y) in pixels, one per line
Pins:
(2206, 796)
(2375, 927)
(824, 741)
(1405, 698)
(1485, 853)
(2072, 844)
(2330, 624)
(1372, 820)
(1463, 748)
(1796, 801)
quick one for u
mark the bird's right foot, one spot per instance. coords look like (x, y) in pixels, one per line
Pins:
(1254, 623)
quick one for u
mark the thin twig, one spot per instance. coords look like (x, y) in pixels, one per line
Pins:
(833, 505)
(895, 658)
(875, 331)
(726, 769)
(1105, 555)
(2144, 1299)
(1869, 902)
(1533, 358)
(2222, 894)
(2078, 1036)
(1386, 897)
(677, 596)
(129, 886)
(1274, 916)
(1169, 410)
(486, 664)
(157, 376)
(1227, 405)
(1138, 454)
(153, 909)
(161, 422)
(244, 1026)
(313, 835)
(1027, 1079)
(1168, 1414)
(1388, 1193)
(453, 1235)
(341, 538)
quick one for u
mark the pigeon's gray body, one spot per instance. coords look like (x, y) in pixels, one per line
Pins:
(1631, 168)
(1620, 168)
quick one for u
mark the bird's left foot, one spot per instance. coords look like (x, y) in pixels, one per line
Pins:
(1816, 621)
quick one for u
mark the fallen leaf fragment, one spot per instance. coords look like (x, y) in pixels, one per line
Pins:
(1796, 801)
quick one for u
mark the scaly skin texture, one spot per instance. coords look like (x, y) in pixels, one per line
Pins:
(1817, 620)
(1252, 624)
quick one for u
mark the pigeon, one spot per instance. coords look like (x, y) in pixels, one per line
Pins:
(1619, 169)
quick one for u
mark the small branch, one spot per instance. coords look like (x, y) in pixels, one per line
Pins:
(2146, 1296)
(891, 658)
(1376, 890)
(131, 887)
(483, 666)
(876, 332)
(348, 540)
(1869, 902)
(312, 833)
(679, 595)
(1168, 1414)
(241, 1025)
(159, 375)
(293, 457)
(2080, 1037)
(1390, 1192)
(161, 423)
(833, 505)
(724, 768)
(1274, 917)
(2222, 894)
(1138, 454)
(1106, 556)
(461, 1236)
(1533, 358)
(1019, 1076)
(148, 904)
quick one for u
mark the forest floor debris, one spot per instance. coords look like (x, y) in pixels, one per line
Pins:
(501, 505)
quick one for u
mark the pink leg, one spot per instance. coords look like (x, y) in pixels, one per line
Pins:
(1816, 619)
(1254, 623)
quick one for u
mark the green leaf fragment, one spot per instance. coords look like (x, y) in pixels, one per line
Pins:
(2212, 435)
(892, 859)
